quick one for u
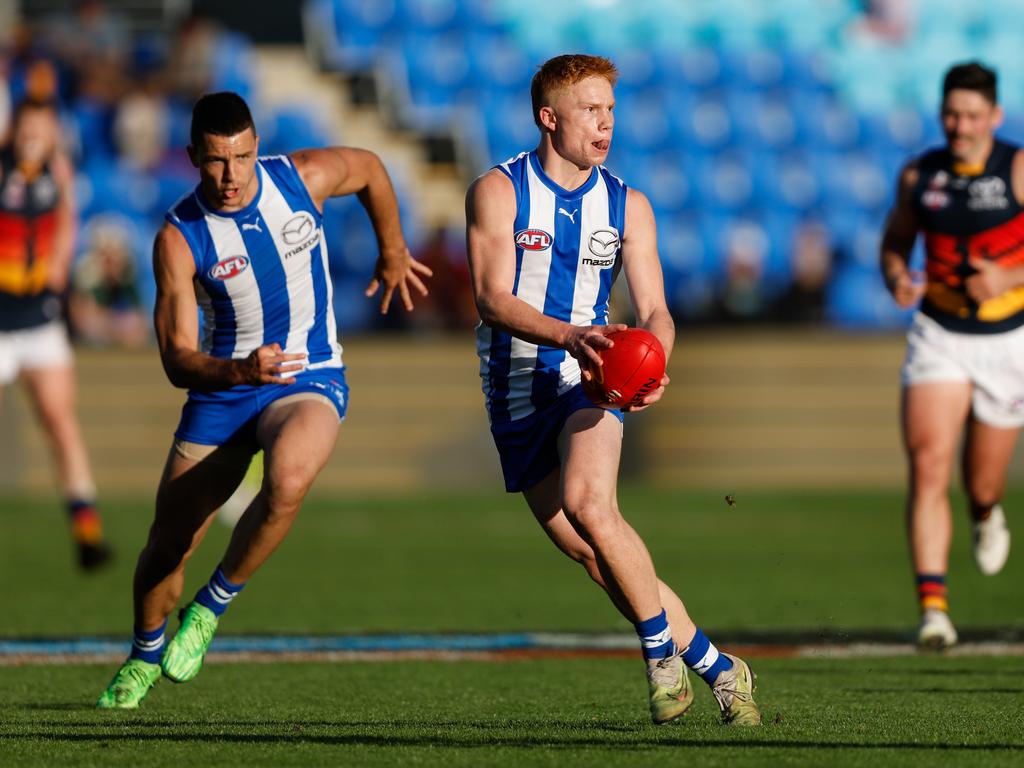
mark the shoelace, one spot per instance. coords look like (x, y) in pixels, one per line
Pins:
(665, 672)
(136, 674)
(728, 688)
(205, 630)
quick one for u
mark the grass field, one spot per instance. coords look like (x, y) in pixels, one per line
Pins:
(775, 563)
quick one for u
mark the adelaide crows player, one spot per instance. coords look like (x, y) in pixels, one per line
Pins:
(964, 368)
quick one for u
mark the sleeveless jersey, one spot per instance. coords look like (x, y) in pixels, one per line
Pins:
(967, 217)
(28, 227)
(262, 272)
(568, 253)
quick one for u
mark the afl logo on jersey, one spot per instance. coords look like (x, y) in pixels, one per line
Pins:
(225, 269)
(297, 228)
(533, 239)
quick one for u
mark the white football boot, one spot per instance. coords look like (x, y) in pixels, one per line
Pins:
(991, 542)
(936, 631)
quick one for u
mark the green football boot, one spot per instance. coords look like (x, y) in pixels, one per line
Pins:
(185, 653)
(669, 685)
(130, 685)
(734, 690)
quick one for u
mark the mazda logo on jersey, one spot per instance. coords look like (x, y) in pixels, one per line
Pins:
(533, 239)
(297, 228)
(604, 244)
(987, 194)
(227, 268)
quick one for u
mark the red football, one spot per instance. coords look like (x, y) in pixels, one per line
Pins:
(630, 370)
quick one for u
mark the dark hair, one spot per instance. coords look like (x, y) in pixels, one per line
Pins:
(970, 76)
(221, 114)
(565, 70)
(30, 105)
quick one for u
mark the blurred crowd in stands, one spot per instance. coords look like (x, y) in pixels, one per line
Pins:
(745, 123)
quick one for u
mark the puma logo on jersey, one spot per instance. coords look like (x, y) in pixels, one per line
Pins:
(569, 215)
(255, 225)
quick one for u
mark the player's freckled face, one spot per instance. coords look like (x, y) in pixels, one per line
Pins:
(969, 121)
(227, 169)
(584, 121)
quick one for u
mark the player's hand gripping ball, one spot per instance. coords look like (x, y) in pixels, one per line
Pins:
(629, 371)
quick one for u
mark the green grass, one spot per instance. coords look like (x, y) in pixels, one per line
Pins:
(480, 563)
(775, 561)
(879, 712)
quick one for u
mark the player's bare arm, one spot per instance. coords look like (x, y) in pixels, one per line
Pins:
(901, 229)
(177, 329)
(990, 279)
(338, 171)
(490, 217)
(67, 218)
(646, 283)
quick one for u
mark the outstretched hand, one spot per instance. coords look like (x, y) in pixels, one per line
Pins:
(270, 365)
(583, 343)
(398, 269)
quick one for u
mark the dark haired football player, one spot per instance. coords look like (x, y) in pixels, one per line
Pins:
(263, 372)
(964, 370)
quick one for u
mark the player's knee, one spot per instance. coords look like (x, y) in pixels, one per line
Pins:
(286, 490)
(984, 492)
(167, 549)
(930, 468)
(596, 522)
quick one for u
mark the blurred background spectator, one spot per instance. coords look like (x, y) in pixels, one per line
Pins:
(105, 303)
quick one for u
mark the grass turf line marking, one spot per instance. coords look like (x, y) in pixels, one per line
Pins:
(504, 647)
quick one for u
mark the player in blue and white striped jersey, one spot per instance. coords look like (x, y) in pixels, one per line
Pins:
(264, 372)
(548, 232)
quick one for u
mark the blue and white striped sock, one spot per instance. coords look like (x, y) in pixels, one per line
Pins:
(655, 637)
(703, 658)
(218, 592)
(148, 646)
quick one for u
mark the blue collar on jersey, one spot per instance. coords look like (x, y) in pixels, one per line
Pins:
(562, 192)
(241, 212)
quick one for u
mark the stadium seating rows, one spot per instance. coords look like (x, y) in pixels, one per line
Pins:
(769, 114)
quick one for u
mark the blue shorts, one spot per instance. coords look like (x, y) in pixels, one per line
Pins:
(528, 447)
(230, 415)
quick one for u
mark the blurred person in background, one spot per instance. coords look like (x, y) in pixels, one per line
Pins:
(37, 229)
(105, 307)
(742, 297)
(450, 305)
(264, 371)
(804, 299)
(548, 232)
(964, 368)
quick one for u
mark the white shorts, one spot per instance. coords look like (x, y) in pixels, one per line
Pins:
(45, 346)
(992, 363)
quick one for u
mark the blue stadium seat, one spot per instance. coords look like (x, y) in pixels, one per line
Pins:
(723, 182)
(707, 126)
(495, 62)
(354, 30)
(764, 121)
(663, 177)
(857, 299)
(642, 122)
(427, 16)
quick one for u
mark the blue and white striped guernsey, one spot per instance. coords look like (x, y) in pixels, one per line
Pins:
(568, 254)
(262, 272)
